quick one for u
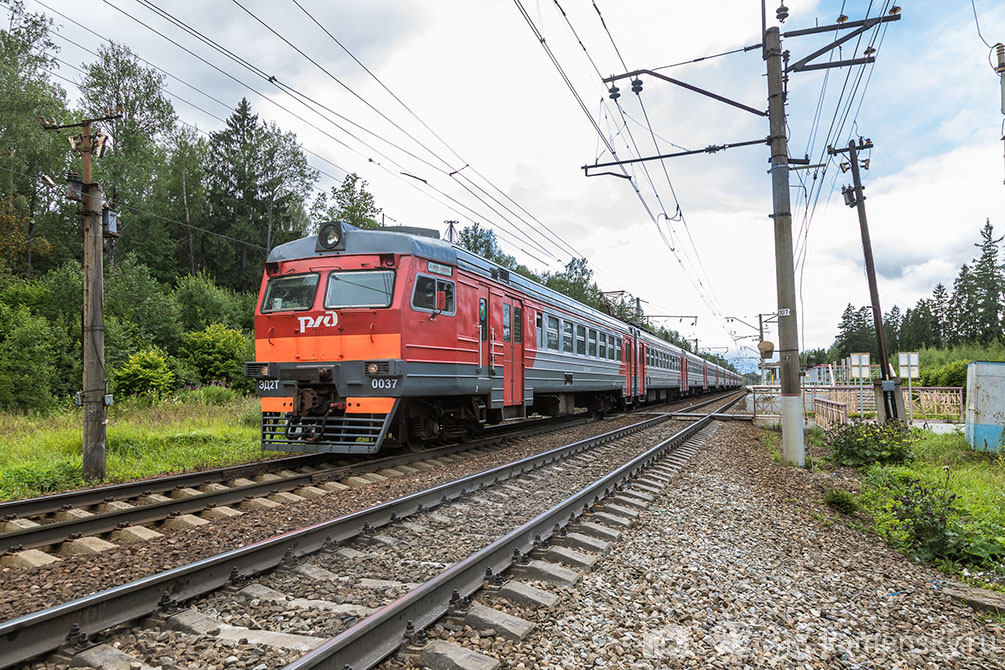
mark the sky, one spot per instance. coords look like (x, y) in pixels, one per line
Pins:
(472, 121)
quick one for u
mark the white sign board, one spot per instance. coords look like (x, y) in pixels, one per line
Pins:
(860, 366)
(909, 364)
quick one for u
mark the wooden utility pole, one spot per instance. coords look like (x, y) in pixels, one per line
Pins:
(785, 277)
(855, 197)
(93, 395)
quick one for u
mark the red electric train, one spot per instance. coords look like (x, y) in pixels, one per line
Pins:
(366, 338)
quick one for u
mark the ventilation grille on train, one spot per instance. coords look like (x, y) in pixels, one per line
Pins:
(347, 434)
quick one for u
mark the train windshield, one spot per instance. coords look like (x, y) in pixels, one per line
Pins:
(363, 288)
(293, 293)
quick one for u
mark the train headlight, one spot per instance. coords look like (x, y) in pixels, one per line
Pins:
(264, 371)
(330, 236)
(372, 368)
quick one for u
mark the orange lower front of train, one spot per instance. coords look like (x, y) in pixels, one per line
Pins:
(367, 338)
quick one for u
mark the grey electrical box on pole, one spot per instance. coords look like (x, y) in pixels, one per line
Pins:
(788, 344)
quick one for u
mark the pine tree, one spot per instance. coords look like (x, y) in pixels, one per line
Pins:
(962, 309)
(988, 287)
(939, 306)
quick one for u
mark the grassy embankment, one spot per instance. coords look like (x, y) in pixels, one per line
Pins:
(931, 496)
(208, 427)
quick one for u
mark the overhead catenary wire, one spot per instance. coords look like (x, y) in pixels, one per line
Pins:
(473, 216)
(311, 101)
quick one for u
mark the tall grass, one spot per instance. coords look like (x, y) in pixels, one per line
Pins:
(192, 430)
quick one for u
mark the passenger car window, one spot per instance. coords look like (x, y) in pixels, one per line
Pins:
(603, 345)
(424, 295)
(361, 288)
(593, 342)
(567, 339)
(553, 333)
(581, 340)
(290, 293)
(506, 322)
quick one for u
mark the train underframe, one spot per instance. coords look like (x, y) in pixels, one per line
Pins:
(319, 421)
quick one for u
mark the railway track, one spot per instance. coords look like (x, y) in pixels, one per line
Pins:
(503, 504)
(91, 520)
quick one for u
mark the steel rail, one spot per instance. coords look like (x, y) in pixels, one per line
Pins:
(94, 496)
(54, 533)
(374, 638)
(47, 630)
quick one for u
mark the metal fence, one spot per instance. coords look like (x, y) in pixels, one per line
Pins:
(929, 403)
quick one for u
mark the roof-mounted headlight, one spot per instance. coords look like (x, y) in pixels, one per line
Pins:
(330, 236)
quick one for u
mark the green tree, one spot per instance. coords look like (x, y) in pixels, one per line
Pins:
(939, 306)
(218, 354)
(257, 182)
(131, 170)
(483, 242)
(962, 327)
(350, 203)
(576, 281)
(33, 216)
(989, 288)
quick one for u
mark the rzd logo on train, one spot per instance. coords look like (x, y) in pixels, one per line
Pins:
(327, 319)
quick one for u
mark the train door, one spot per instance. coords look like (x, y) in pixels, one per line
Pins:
(643, 370)
(512, 351)
(704, 376)
(484, 344)
(683, 373)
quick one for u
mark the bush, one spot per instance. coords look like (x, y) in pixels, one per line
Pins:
(841, 501)
(26, 351)
(202, 303)
(132, 295)
(146, 373)
(218, 354)
(950, 374)
(861, 443)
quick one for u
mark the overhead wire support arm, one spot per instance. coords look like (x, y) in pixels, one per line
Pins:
(710, 149)
(690, 87)
(802, 65)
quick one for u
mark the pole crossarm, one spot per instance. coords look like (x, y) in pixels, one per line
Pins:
(81, 124)
(710, 149)
(802, 65)
(690, 87)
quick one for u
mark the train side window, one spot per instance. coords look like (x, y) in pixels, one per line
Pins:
(593, 342)
(610, 347)
(540, 330)
(581, 340)
(567, 338)
(517, 324)
(432, 295)
(506, 322)
(617, 343)
(553, 333)
(603, 345)
(483, 326)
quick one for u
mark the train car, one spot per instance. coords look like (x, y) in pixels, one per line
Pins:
(367, 337)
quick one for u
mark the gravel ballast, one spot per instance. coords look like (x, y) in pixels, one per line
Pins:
(738, 564)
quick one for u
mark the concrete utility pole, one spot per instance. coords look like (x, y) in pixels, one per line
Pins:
(788, 349)
(788, 333)
(93, 395)
(855, 197)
